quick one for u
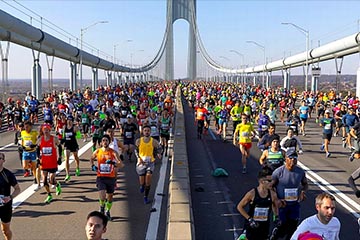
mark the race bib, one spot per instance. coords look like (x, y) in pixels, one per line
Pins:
(105, 168)
(303, 111)
(128, 134)
(164, 126)
(264, 127)
(327, 126)
(261, 214)
(291, 194)
(61, 131)
(245, 134)
(84, 120)
(68, 135)
(47, 151)
(28, 143)
(153, 130)
(123, 113)
(146, 159)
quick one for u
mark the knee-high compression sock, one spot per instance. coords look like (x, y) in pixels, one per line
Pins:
(147, 190)
(102, 203)
(108, 206)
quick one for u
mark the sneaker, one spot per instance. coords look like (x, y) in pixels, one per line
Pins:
(102, 209)
(142, 189)
(304, 134)
(244, 170)
(322, 147)
(52, 186)
(48, 199)
(77, 171)
(26, 173)
(37, 187)
(84, 140)
(108, 215)
(328, 154)
(58, 189)
(344, 144)
(351, 158)
(317, 120)
(67, 178)
(146, 200)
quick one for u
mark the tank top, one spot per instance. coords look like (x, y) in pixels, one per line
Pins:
(165, 125)
(48, 153)
(275, 159)
(141, 117)
(154, 123)
(259, 208)
(146, 150)
(105, 169)
(114, 145)
(29, 139)
(69, 136)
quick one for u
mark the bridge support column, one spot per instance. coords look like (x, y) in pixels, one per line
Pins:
(314, 83)
(358, 82)
(94, 79)
(50, 66)
(36, 83)
(73, 80)
(109, 78)
(338, 66)
(286, 76)
(5, 71)
(254, 80)
(268, 79)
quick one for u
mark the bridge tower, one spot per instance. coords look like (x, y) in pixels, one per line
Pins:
(181, 9)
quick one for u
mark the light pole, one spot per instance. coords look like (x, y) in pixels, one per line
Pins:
(243, 60)
(262, 48)
(82, 31)
(306, 33)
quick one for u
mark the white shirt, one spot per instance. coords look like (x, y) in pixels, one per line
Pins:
(328, 231)
(94, 103)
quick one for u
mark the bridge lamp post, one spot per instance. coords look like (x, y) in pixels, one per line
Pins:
(263, 49)
(82, 32)
(241, 56)
(306, 33)
(223, 57)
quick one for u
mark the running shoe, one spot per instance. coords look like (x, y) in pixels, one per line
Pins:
(48, 199)
(244, 170)
(102, 209)
(67, 178)
(77, 171)
(27, 173)
(322, 147)
(108, 215)
(352, 157)
(344, 144)
(52, 186)
(37, 187)
(58, 189)
(358, 221)
(146, 200)
(328, 154)
(317, 120)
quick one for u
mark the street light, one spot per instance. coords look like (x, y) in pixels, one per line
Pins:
(115, 45)
(82, 31)
(262, 48)
(306, 33)
(243, 60)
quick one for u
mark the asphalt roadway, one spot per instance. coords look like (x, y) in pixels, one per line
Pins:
(214, 199)
(65, 216)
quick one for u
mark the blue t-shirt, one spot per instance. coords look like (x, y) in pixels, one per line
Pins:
(350, 120)
(304, 110)
(289, 183)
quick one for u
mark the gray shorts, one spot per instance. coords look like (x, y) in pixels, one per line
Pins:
(142, 169)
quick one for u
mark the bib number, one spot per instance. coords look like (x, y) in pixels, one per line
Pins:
(291, 194)
(261, 214)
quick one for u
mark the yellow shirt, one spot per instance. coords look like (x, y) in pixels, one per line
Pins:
(146, 150)
(235, 113)
(28, 139)
(245, 132)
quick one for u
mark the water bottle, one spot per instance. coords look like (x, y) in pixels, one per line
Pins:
(242, 236)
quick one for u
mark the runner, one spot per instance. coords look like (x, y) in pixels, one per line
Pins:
(49, 160)
(200, 116)
(154, 122)
(243, 135)
(108, 160)
(97, 130)
(328, 124)
(323, 223)
(261, 201)
(146, 149)
(7, 180)
(304, 114)
(71, 146)
(290, 142)
(290, 183)
(165, 126)
(128, 131)
(274, 156)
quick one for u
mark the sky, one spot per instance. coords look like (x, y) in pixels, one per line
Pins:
(137, 29)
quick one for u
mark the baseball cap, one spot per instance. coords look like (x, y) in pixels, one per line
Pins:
(327, 111)
(129, 116)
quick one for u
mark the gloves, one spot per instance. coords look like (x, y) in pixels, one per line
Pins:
(33, 146)
(110, 162)
(277, 221)
(94, 168)
(252, 223)
(59, 161)
(38, 163)
(301, 151)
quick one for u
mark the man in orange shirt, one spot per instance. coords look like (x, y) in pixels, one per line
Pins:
(108, 160)
(200, 114)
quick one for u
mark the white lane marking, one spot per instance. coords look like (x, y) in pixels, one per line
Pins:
(6, 146)
(152, 229)
(326, 186)
(18, 200)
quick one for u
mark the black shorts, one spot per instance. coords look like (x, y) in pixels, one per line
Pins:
(166, 136)
(96, 139)
(72, 148)
(6, 212)
(303, 119)
(327, 136)
(49, 170)
(129, 141)
(106, 183)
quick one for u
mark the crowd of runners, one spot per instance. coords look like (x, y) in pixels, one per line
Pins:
(254, 113)
(142, 114)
